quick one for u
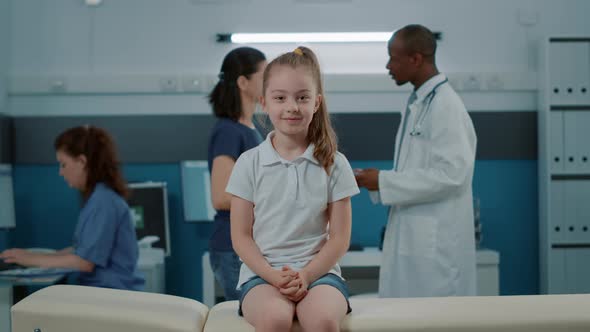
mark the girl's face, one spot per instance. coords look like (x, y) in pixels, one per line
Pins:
(252, 87)
(72, 169)
(290, 100)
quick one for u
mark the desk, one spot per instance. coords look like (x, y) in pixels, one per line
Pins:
(6, 285)
(488, 262)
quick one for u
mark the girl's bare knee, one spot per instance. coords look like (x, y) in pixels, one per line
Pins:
(275, 321)
(320, 323)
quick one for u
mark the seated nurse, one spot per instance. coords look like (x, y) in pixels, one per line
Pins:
(104, 246)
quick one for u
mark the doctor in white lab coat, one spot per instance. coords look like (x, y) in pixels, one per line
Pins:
(429, 245)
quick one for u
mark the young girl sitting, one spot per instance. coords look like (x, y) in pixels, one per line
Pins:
(290, 210)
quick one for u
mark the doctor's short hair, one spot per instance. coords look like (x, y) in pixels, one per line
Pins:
(102, 163)
(418, 39)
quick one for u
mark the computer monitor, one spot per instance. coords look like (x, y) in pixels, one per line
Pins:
(149, 211)
(7, 219)
(196, 191)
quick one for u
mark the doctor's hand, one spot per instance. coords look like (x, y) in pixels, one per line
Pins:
(18, 256)
(367, 178)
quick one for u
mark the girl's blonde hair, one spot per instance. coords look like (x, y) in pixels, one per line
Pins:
(320, 132)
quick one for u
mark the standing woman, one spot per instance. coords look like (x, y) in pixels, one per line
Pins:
(104, 246)
(233, 100)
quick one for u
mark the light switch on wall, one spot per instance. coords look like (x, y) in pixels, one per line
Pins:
(192, 84)
(92, 3)
(168, 84)
(57, 85)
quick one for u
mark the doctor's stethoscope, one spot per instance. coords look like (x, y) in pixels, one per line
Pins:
(416, 130)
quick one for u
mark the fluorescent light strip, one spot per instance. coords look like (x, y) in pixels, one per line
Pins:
(315, 37)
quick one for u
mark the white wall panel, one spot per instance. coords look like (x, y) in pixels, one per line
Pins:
(134, 36)
(51, 36)
(59, 41)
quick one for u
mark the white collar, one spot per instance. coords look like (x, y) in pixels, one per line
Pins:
(427, 87)
(269, 156)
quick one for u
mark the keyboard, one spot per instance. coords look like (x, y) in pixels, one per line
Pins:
(34, 272)
(8, 266)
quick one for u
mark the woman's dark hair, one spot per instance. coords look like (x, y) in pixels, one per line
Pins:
(225, 96)
(102, 164)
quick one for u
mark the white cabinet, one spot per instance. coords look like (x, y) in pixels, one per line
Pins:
(570, 212)
(152, 267)
(556, 138)
(556, 272)
(576, 126)
(577, 270)
(570, 271)
(564, 165)
(568, 138)
(568, 68)
(557, 207)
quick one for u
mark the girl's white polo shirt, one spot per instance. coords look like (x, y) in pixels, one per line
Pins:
(290, 202)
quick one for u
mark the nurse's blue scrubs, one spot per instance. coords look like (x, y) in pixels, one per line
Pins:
(106, 237)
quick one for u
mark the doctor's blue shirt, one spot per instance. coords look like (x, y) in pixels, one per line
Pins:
(106, 237)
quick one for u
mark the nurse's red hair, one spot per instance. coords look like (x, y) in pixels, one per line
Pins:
(99, 149)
